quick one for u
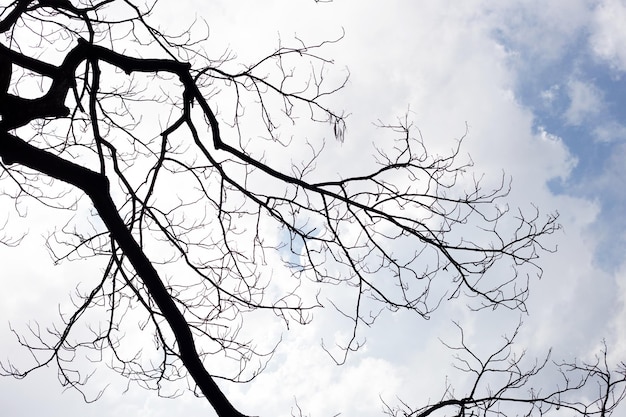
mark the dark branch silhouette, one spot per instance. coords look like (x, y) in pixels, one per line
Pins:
(506, 383)
(191, 218)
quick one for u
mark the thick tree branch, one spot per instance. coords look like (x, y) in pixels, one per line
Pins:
(96, 186)
(206, 202)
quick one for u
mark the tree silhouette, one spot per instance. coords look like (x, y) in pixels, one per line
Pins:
(190, 221)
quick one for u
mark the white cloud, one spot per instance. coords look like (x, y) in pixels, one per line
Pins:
(541, 31)
(617, 341)
(441, 59)
(610, 132)
(551, 94)
(586, 101)
(608, 36)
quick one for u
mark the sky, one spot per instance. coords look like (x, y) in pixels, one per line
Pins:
(539, 87)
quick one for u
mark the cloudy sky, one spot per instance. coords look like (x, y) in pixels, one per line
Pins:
(539, 86)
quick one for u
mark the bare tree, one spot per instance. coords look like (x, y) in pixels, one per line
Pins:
(506, 383)
(189, 221)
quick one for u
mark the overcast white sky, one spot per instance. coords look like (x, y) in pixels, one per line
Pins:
(540, 86)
